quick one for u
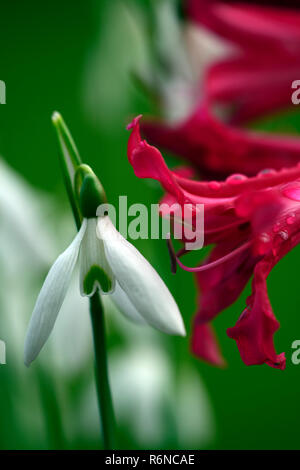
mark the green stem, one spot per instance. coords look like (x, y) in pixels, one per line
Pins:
(53, 415)
(101, 370)
(70, 161)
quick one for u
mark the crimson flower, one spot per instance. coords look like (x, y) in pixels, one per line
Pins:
(252, 223)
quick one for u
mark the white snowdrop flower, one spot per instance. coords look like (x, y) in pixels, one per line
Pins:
(145, 290)
(110, 264)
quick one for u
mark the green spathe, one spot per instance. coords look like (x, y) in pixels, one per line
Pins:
(69, 160)
(89, 191)
(67, 143)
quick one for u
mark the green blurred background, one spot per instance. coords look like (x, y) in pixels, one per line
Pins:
(76, 57)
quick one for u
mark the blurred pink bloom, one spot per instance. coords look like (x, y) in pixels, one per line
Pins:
(251, 26)
(256, 77)
(253, 78)
(253, 222)
(218, 149)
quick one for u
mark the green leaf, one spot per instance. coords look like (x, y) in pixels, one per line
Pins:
(69, 161)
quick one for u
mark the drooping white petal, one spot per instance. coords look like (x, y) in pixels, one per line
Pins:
(141, 283)
(125, 305)
(95, 271)
(51, 297)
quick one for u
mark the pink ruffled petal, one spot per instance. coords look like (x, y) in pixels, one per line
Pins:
(256, 326)
(205, 346)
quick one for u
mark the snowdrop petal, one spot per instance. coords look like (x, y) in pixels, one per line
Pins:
(95, 272)
(50, 298)
(141, 283)
(123, 303)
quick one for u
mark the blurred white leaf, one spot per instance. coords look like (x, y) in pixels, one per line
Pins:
(23, 212)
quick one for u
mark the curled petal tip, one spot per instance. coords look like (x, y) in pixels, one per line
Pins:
(134, 122)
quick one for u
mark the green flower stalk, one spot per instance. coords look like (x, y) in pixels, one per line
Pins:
(108, 265)
(42, 322)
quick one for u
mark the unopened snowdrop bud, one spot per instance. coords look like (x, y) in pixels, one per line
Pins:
(89, 191)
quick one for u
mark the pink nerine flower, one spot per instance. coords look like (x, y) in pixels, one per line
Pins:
(252, 223)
